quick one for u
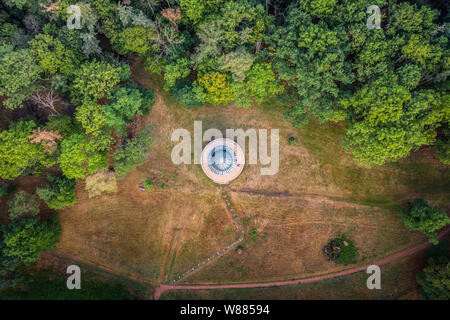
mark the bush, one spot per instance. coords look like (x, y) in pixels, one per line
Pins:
(341, 250)
(103, 181)
(58, 192)
(292, 141)
(148, 184)
(23, 204)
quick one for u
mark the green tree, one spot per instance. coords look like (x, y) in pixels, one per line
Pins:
(26, 238)
(387, 122)
(133, 39)
(184, 92)
(217, 86)
(52, 56)
(132, 153)
(18, 155)
(318, 8)
(94, 80)
(23, 204)
(261, 82)
(420, 216)
(58, 192)
(173, 72)
(311, 57)
(18, 75)
(237, 62)
(127, 101)
(81, 156)
(434, 279)
(91, 117)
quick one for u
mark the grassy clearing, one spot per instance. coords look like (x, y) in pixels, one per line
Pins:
(159, 233)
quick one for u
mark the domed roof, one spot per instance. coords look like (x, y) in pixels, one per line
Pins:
(222, 160)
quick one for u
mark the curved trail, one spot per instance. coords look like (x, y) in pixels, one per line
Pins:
(163, 288)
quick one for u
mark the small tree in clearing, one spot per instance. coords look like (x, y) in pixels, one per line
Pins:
(420, 216)
(103, 181)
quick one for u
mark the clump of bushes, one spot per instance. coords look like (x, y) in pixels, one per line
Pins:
(292, 141)
(341, 250)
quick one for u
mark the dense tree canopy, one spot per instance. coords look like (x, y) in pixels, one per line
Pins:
(26, 238)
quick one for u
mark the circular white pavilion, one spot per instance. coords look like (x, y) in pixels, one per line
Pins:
(222, 160)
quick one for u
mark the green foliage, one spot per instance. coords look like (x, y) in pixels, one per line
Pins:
(91, 117)
(93, 81)
(173, 72)
(23, 204)
(186, 93)
(237, 62)
(59, 192)
(135, 39)
(420, 216)
(62, 124)
(318, 8)
(218, 90)
(261, 82)
(81, 156)
(388, 122)
(132, 153)
(45, 286)
(51, 55)
(26, 238)
(148, 184)
(242, 22)
(194, 10)
(18, 155)
(127, 101)
(18, 75)
(341, 250)
(311, 57)
(3, 192)
(292, 141)
(435, 277)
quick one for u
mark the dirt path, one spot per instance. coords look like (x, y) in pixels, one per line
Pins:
(163, 288)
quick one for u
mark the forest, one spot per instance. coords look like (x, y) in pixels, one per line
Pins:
(69, 103)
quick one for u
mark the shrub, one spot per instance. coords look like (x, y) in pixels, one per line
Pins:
(23, 204)
(292, 141)
(103, 181)
(148, 184)
(341, 250)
